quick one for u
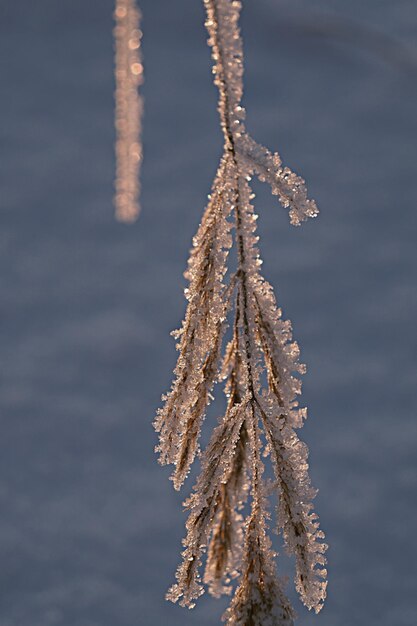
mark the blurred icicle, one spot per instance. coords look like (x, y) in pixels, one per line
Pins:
(260, 367)
(129, 109)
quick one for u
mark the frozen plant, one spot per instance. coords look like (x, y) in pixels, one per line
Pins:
(228, 508)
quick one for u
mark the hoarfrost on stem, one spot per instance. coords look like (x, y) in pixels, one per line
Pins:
(228, 508)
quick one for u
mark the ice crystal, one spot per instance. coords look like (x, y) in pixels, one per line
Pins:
(129, 109)
(260, 367)
(259, 599)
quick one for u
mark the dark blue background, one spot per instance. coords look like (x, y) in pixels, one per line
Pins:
(90, 526)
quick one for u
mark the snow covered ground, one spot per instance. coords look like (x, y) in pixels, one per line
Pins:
(90, 527)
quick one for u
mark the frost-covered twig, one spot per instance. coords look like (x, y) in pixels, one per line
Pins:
(129, 109)
(231, 466)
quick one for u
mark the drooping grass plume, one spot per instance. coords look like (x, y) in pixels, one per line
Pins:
(229, 505)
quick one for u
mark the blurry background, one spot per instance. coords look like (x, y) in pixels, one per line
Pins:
(90, 527)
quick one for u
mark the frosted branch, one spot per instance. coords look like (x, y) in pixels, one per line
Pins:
(260, 367)
(288, 186)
